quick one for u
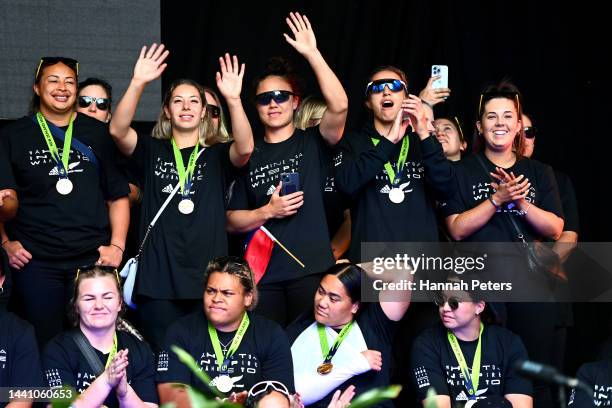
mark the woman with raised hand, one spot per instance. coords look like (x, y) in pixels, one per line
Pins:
(185, 148)
(106, 366)
(296, 219)
(73, 206)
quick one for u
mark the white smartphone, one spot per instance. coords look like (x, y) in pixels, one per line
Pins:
(442, 71)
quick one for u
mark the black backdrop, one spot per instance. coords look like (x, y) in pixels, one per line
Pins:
(555, 53)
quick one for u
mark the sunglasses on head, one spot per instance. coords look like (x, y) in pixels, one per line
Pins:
(111, 270)
(394, 85)
(487, 96)
(101, 103)
(263, 386)
(72, 63)
(215, 111)
(265, 98)
(530, 132)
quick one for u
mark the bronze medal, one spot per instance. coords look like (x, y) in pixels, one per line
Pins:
(325, 368)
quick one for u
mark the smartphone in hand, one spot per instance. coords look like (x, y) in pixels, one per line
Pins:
(291, 183)
(442, 71)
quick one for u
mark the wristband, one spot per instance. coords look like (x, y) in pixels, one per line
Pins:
(117, 247)
(493, 202)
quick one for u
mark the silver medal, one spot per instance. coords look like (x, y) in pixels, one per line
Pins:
(224, 383)
(396, 195)
(470, 403)
(64, 186)
(186, 206)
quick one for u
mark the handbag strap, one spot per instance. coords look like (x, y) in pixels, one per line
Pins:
(515, 226)
(161, 210)
(88, 352)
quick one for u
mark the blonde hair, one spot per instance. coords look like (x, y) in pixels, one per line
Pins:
(310, 108)
(163, 127)
(223, 134)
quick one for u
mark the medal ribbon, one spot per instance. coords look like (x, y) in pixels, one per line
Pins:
(60, 162)
(113, 351)
(214, 338)
(470, 381)
(328, 353)
(401, 160)
(185, 175)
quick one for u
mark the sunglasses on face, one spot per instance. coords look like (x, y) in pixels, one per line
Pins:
(111, 270)
(394, 85)
(530, 132)
(265, 98)
(101, 103)
(263, 386)
(45, 61)
(453, 302)
(215, 111)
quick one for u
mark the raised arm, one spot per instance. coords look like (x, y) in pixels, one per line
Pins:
(149, 67)
(334, 118)
(229, 82)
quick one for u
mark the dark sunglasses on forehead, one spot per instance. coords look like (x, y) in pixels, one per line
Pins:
(265, 98)
(487, 96)
(111, 270)
(394, 85)
(72, 63)
(530, 132)
(214, 110)
(101, 103)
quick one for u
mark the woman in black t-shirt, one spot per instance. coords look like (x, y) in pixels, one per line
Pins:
(186, 148)
(233, 346)
(296, 219)
(73, 198)
(358, 333)
(124, 373)
(466, 360)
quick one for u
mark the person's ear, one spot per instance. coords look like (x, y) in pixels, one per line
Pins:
(36, 89)
(480, 307)
(479, 127)
(463, 146)
(248, 300)
(296, 102)
(167, 113)
(355, 307)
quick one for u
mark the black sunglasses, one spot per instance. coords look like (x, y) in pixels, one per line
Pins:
(530, 132)
(453, 302)
(394, 85)
(215, 111)
(45, 61)
(279, 97)
(101, 103)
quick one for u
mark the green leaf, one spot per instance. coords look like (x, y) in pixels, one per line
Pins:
(376, 396)
(430, 400)
(186, 359)
(65, 402)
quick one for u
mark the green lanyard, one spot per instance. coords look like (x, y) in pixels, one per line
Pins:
(471, 382)
(328, 353)
(185, 175)
(63, 170)
(401, 160)
(113, 351)
(222, 360)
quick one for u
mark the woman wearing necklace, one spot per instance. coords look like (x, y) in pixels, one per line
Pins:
(345, 340)
(234, 347)
(73, 207)
(466, 360)
(185, 149)
(106, 366)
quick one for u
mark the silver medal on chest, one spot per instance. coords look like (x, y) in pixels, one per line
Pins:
(396, 195)
(224, 383)
(64, 186)
(186, 206)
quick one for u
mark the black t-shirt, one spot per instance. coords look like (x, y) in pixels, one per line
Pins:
(434, 364)
(568, 202)
(65, 365)
(180, 245)
(335, 202)
(55, 226)
(361, 174)
(6, 172)
(377, 332)
(19, 362)
(263, 354)
(598, 375)
(304, 233)
(473, 187)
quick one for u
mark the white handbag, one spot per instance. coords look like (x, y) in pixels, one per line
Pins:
(130, 269)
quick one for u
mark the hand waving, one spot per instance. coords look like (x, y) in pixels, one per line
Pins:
(229, 80)
(305, 41)
(150, 64)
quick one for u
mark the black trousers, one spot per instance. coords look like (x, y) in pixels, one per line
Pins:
(41, 294)
(284, 301)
